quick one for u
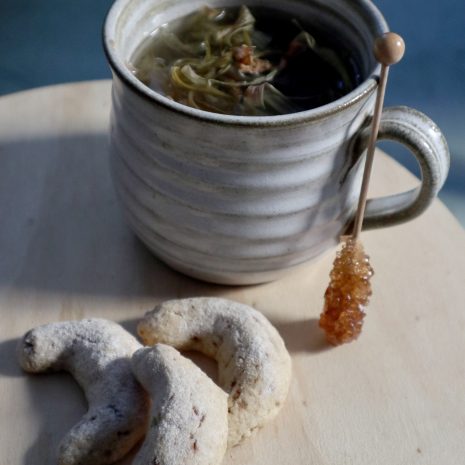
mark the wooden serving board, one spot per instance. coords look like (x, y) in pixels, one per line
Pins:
(396, 396)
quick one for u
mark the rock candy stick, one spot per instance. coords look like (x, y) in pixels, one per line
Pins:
(349, 289)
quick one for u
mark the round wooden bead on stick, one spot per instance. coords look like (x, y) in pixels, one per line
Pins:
(349, 289)
(389, 49)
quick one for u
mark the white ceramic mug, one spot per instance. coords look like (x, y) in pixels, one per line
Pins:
(240, 199)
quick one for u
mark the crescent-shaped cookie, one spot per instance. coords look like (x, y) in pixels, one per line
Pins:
(189, 419)
(254, 366)
(98, 354)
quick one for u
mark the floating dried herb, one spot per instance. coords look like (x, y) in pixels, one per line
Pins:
(216, 60)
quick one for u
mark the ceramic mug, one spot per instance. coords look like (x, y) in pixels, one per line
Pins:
(241, 199)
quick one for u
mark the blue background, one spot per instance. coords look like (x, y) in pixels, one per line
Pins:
(45, 42)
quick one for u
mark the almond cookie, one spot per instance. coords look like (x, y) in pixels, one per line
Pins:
(98, 354)
(189, 417)
(254, 366)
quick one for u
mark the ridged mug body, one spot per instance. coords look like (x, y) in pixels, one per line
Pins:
(236, 200)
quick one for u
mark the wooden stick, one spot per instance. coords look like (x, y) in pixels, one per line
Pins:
(388, 50)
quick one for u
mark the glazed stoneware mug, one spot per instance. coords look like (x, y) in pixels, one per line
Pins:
(243, 199)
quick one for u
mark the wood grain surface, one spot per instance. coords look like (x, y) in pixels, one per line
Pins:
(396, 396)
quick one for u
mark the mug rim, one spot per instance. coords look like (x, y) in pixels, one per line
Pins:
(122, 71)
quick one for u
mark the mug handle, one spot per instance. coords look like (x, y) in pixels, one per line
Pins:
(426, 142)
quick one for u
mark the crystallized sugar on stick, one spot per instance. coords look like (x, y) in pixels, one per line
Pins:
(347, 294)
(349, 290)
